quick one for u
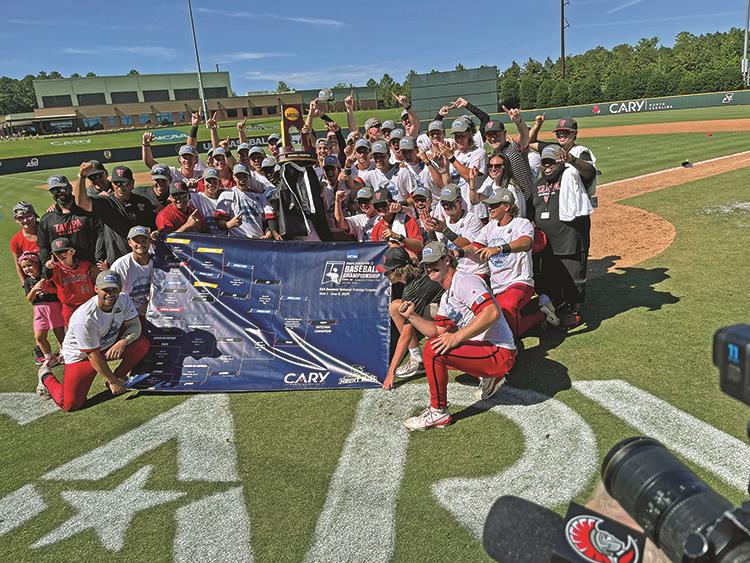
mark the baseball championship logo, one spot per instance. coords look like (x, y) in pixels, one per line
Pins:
(585, 537)
(291, 114)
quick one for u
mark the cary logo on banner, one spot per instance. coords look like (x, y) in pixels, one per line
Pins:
(232, 314)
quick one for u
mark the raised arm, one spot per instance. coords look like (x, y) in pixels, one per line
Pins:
(148, 158)
(213, 127)
(338, 212)
(79, 188)
(412, 130)
(241, 133)
(523, 130)
(534, 131)
(195, 119)
(480, 114)
(351, 120)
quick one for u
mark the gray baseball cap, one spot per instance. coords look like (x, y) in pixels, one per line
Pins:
(179, 188)
(372, 122)
(256, 150)
(243, 147)
(108, 279)
(460, 125)
(450, 193)
(268, 162)
(432, 252)
(362, 143)
(404, 114)
(57, 182)
(139, 231)
(365, 193)
(210, 173)
(274, 137)
(322, 141)
(501, 195)
(161, 172)
(397, 134)
(421, 191)
(240, 169)
(218, 150)
(188, 149)
(406, 143)
(379, 147)
(388, 124)
(436, 126)
(552, 152)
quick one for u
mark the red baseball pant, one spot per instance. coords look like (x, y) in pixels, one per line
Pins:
(70, 395)
(475, 357)
(512, 301)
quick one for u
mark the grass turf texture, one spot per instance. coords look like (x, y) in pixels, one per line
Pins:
(652, 324)
(100, 141)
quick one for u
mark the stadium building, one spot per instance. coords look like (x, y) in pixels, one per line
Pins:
(144, 100)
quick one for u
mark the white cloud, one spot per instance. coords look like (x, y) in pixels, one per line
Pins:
(326, 22)
(623, 6)
(356, 74)
(246, 56)
(144, 50)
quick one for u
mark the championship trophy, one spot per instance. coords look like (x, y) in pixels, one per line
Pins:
(294, 146)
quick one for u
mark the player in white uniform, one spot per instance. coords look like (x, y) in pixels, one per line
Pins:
(244, 210)
(136, 268)
(468, 161)
(468, 334)
(207, 200)
(385, 173)
(361, 224)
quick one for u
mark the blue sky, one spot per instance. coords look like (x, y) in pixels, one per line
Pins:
(311, 45)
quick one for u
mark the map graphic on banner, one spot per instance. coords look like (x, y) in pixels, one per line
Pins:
(232, 314)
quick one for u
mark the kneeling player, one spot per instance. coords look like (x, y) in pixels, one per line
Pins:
(469, 333)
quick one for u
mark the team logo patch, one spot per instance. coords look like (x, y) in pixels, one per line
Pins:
(585, 537)
(596, 109)
(426, 252)
(332, 273)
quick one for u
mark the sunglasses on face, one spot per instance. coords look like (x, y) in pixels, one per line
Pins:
(362, 150)
(219, 158)
(212, 181)
(548, 162)
(493, 205)
(420, 200)
(559, 134)
(394, 142)
(431, 269)
(363, 202)
(97, 176)
(381, 206)
(257, 157)
(179, 196)
(496, 165)
(433, 134)
(378, 156)
(22, 218)
(448, 204)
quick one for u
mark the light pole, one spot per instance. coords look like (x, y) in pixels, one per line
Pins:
(204, 104)
(745, 74)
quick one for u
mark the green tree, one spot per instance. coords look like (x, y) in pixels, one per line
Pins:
(544, 94)
(658, 84)
(90, 74)
(55, 74)
(282, 87)
(509, 92)
(385, 90)
(372, 83)
(527, 88)
(459, 66)
(75, 75)
(560, 94)
(133, 71)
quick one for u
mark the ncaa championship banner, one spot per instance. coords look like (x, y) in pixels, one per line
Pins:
(232, 314)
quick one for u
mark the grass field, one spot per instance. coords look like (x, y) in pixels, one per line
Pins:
(265, 126)
(649, 325)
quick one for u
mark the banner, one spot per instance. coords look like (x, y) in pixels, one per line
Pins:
(233, 314)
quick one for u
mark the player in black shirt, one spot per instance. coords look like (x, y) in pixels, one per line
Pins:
(119, 211)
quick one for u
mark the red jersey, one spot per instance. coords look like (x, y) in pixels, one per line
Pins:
(170, 219)
(74, 285)
(20, 244)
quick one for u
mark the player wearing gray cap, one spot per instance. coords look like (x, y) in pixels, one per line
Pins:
(360, 224)
(104, 328)
(384, 173)
(136, 268)
(357, 161)
(191, 167)
(468, 334)
(244, 211)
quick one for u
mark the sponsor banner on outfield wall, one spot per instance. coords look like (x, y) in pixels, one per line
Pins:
(108, 157)
(642, 105)
(235, 314)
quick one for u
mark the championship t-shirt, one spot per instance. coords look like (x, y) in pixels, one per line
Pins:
(207, 207)
(136, 280)
(507, 268)
(463, 301)
(362, 225)
(178, 176)
(253, 207)
(396, 182)
(468, 226)
(92, 329)
(475, 158)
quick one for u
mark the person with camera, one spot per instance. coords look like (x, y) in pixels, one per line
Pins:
(468, 333)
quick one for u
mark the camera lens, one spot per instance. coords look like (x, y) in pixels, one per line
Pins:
(667, 499)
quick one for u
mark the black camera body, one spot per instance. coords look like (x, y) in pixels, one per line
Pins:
(732, 357)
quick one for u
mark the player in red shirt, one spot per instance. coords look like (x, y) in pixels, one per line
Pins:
(25, 239)
(396, 228)
(73, 278)
(180, 216)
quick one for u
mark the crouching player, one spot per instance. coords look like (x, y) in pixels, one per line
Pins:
(469, 333)
(104, 328)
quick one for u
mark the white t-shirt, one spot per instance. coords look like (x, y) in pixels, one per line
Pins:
(356, 171)
(511, 267)
(91, 328)
(576, 151)
(362, 225)
(253, 207)
(178, 176)
(136, 280)
(207, 207)
(488, 187)
(397, 182)
(475, 158)
(468, 226)
(573, 199)
(466, 296)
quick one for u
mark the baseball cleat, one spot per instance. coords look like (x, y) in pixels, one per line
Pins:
(54, 360)
(38, 356)
(430, 418)
(546, 307)
(44, 371)
(410, 369)
(488, 386)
